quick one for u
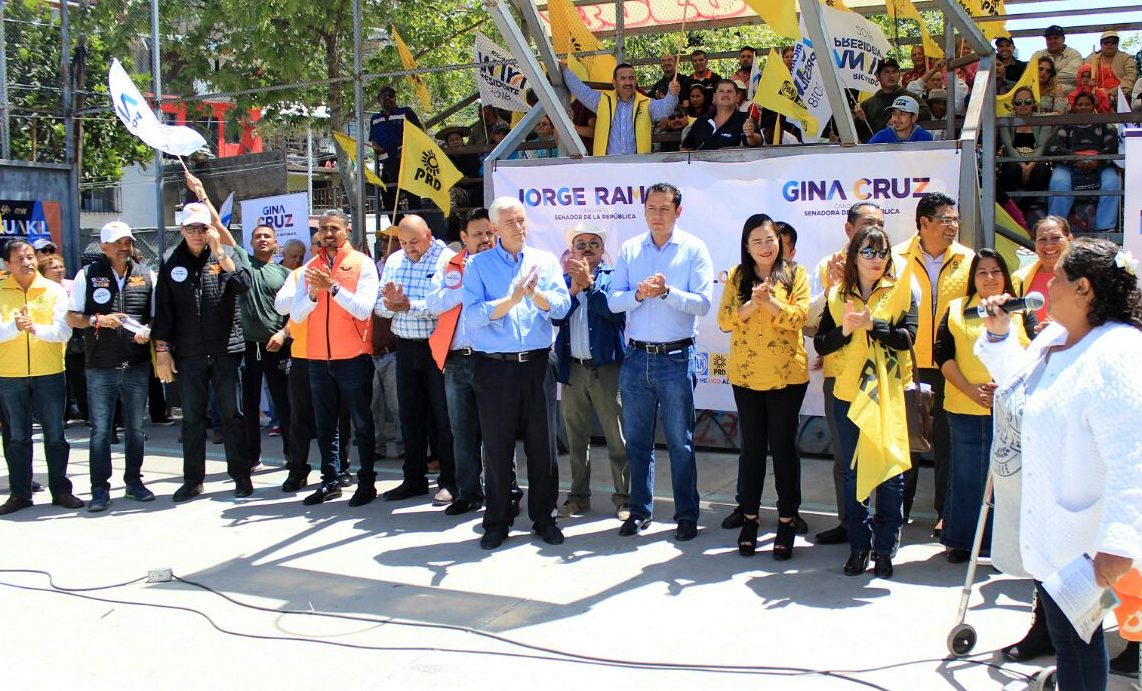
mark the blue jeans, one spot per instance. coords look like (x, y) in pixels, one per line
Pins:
(971, 455)
(105, 386)
(883, 533)
(42, 397)
(650, 382)
(333, 382)
(1106, 217)
(459, 388)
(1079, 666)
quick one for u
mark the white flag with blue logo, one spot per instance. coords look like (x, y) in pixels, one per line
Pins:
(227, 210)
(132, 109)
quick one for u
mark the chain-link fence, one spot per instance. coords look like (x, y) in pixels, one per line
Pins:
(32, 121)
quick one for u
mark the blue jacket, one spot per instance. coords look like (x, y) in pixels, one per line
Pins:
(604, 326)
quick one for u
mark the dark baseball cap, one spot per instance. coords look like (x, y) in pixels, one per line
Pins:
(1054, 30)
(885, 64)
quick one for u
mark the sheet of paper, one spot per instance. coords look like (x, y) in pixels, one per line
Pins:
(131, 324)
(1082, 599)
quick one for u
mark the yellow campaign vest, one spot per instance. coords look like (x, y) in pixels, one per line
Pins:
(965, 334)
(643, 127)
(851, 358)
(1021, 280)
(25, 355)
(952, 284)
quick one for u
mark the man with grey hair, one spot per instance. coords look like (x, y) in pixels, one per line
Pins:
(512, 293)
(589, 352)
(406, 280)
(293, 254)
(334, 303)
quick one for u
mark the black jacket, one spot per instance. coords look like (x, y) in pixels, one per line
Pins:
(196, 303)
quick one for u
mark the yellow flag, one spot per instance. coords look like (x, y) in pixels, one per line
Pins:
(904, 9)
(878, 406)
(1004, 105)
(349, 146)
(775, 91)
(988, 8)
(780, 15)
(570, 35)
(424, 169)
(1006, 247)
(409, 63)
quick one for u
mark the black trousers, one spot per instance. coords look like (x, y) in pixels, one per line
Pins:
(195, 376)
(75, 366)
(520, 400)
(156, 398)
(302, 431)
(420, 391)
(259, 362)
(769, 421)
(941, 447)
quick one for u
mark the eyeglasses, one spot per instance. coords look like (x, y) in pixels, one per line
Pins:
(870, 253)
(47, 250)
(593, 244)
(1024, 101)
(946, 220)
(195, 229)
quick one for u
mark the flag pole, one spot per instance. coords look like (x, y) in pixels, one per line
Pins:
(681, 39)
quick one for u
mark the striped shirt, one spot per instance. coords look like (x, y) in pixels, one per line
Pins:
(416, 280)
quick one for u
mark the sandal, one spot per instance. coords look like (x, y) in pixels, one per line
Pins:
(783, 543)
(747, 538)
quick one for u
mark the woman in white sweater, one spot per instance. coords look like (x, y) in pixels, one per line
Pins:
(1066, 425)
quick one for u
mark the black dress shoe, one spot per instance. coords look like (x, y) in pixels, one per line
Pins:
(323, 494)
(37, 487)
(363, 495)
(633, 526)
(243, 487)
(461, 506)
(550, 533)
(857, 563)
(687, 530)
(294, 483)
(883, 566)
(67, 501)
(14, 504)
(186, 493)
(832, 536)
(493, 538)
(958, 556)
(406, 490)
(735, 520)
(345, 478)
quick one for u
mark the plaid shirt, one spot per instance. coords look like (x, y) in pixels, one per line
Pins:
(416, 279)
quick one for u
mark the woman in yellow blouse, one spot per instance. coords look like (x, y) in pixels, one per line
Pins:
(967, 400)
(764, 304)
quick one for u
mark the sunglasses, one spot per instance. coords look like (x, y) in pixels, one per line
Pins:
(1024, 101)
(593, 244)
(48, 250)
(870, 253)
(195, 229)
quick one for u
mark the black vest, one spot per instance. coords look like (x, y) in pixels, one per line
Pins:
(114, 348)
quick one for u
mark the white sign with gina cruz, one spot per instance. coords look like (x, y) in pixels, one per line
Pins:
(287, 214)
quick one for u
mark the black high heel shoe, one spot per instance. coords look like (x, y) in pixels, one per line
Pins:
(747, 538)
(1037, 641)
(857, 563)
(783, 543)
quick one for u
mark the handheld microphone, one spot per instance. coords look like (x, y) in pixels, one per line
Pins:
(1030, 302)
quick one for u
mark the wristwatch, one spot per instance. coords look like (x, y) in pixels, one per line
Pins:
(664, 294)
(94, 320)
(333, 290)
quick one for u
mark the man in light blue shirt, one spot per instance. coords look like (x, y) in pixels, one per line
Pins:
(663, 281)
(625, 117)
(512, 292)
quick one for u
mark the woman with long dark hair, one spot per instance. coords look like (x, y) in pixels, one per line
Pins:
(967, 401)
(1066, 421)
(764, 305)
(870, 317)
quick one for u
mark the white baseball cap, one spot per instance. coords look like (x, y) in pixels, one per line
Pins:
(115, 231)
(42, 244)
(195, 213)
(906, 104)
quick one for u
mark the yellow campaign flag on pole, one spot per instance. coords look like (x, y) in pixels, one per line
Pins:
(1004, 105)
(570, 35)
(775, 91)
(424, 169)
(904, 9)
(349, 146)
(409, 63)
(780, 15)
(988, 8)
(878, 406)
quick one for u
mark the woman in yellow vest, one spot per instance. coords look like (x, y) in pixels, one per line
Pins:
(865, 312)
(764, 304)
(967, 401)
(1051, 234)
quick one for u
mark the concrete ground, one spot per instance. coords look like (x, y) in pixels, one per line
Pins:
(399, 595)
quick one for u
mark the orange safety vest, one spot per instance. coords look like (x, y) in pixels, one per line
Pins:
(441, 338)
(333, 333)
